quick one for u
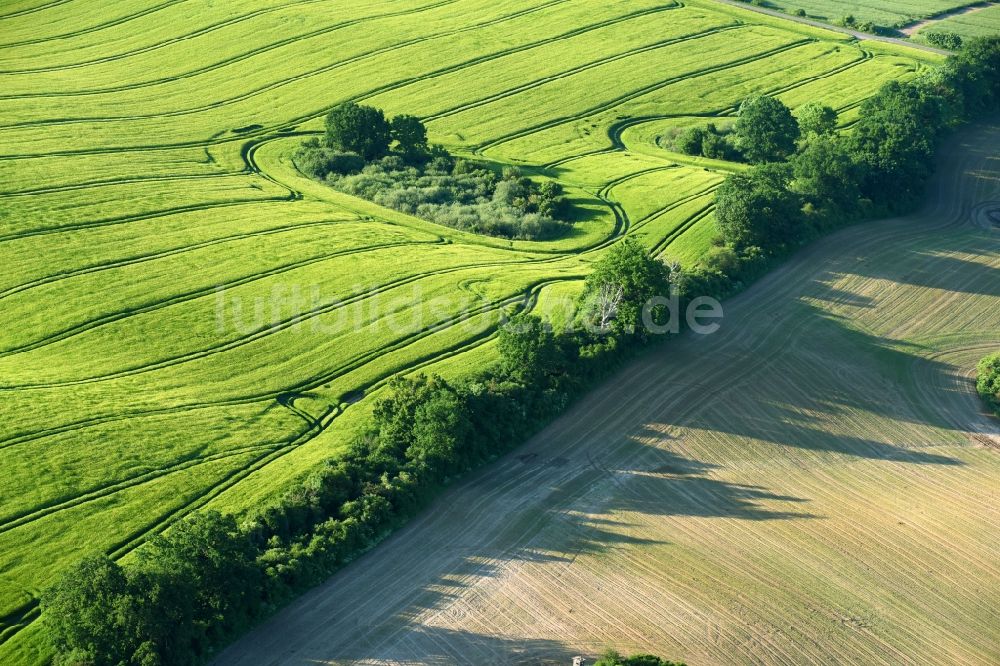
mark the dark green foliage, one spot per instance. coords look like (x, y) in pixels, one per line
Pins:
(766, 130)
(895, 139)
(817, 119)
(89, 612)
(690, 140)
(358, 129)
(621, 285)
(975, 73)
(186, 593)
(988, 381)
(528, 349)
(944, 40)
(317, 160)
(756, 208)
(703, 141)
(827, 176)
(410, 136)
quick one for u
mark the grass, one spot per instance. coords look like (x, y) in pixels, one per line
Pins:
(145, 161)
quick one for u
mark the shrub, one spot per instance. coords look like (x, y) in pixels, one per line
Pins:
(988, 381)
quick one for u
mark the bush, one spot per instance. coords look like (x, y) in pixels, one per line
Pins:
(690, 141)
(988, 381)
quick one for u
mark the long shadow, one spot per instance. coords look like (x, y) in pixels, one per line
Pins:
(432, 646)
(941, 272)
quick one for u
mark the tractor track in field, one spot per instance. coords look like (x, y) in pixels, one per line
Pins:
(32, 10)
(611, 103)
(273, 329)
(170, 252)
(339, 63)
(203, 31)
(96, 28)
(424, 76)
(128, 180)
(125, 219)
(524, 299)
(645, 48)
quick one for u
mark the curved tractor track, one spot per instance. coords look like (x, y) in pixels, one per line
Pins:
(673, 511)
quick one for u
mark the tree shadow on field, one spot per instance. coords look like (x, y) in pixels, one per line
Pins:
(433, 646)
(936, 271)
(834, 389)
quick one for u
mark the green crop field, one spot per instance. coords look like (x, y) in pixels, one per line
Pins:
(191, 322)
(980, 22)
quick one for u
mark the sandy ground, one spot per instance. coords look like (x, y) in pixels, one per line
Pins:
(816, 483)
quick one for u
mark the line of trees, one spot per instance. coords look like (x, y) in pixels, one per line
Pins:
(808, 179)
(390, 162)
(186, 593)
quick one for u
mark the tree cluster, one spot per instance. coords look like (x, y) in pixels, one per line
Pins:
(809, 178)
(389, 162)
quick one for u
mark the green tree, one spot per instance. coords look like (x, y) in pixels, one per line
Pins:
(766, 130)
(976, 71)
(826, 175)
(359, 129)
(895, 139)
(528, 349)
(90, 612)
(756, 208)
(988, 381)
(410, 136)
(818, 119)
(621, 285)
(201, 578)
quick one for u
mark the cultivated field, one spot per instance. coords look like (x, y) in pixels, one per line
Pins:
(978, 22)
(816, 483)
(145, 164)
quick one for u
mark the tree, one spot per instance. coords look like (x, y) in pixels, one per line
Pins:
(895, 139)
(826, 175)
(976, 71)
(988, 381)
(621, 285)
(815, 118)
(766, 130)
(756, 208)
(528, 349)
(90, 612)
(410, 136)
(359, 129)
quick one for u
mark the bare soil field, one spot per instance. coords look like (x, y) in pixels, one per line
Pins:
(815, 483)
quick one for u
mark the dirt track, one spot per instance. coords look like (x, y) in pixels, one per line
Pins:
(814, 483)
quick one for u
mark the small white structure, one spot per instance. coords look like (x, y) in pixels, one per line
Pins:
(579, 661)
